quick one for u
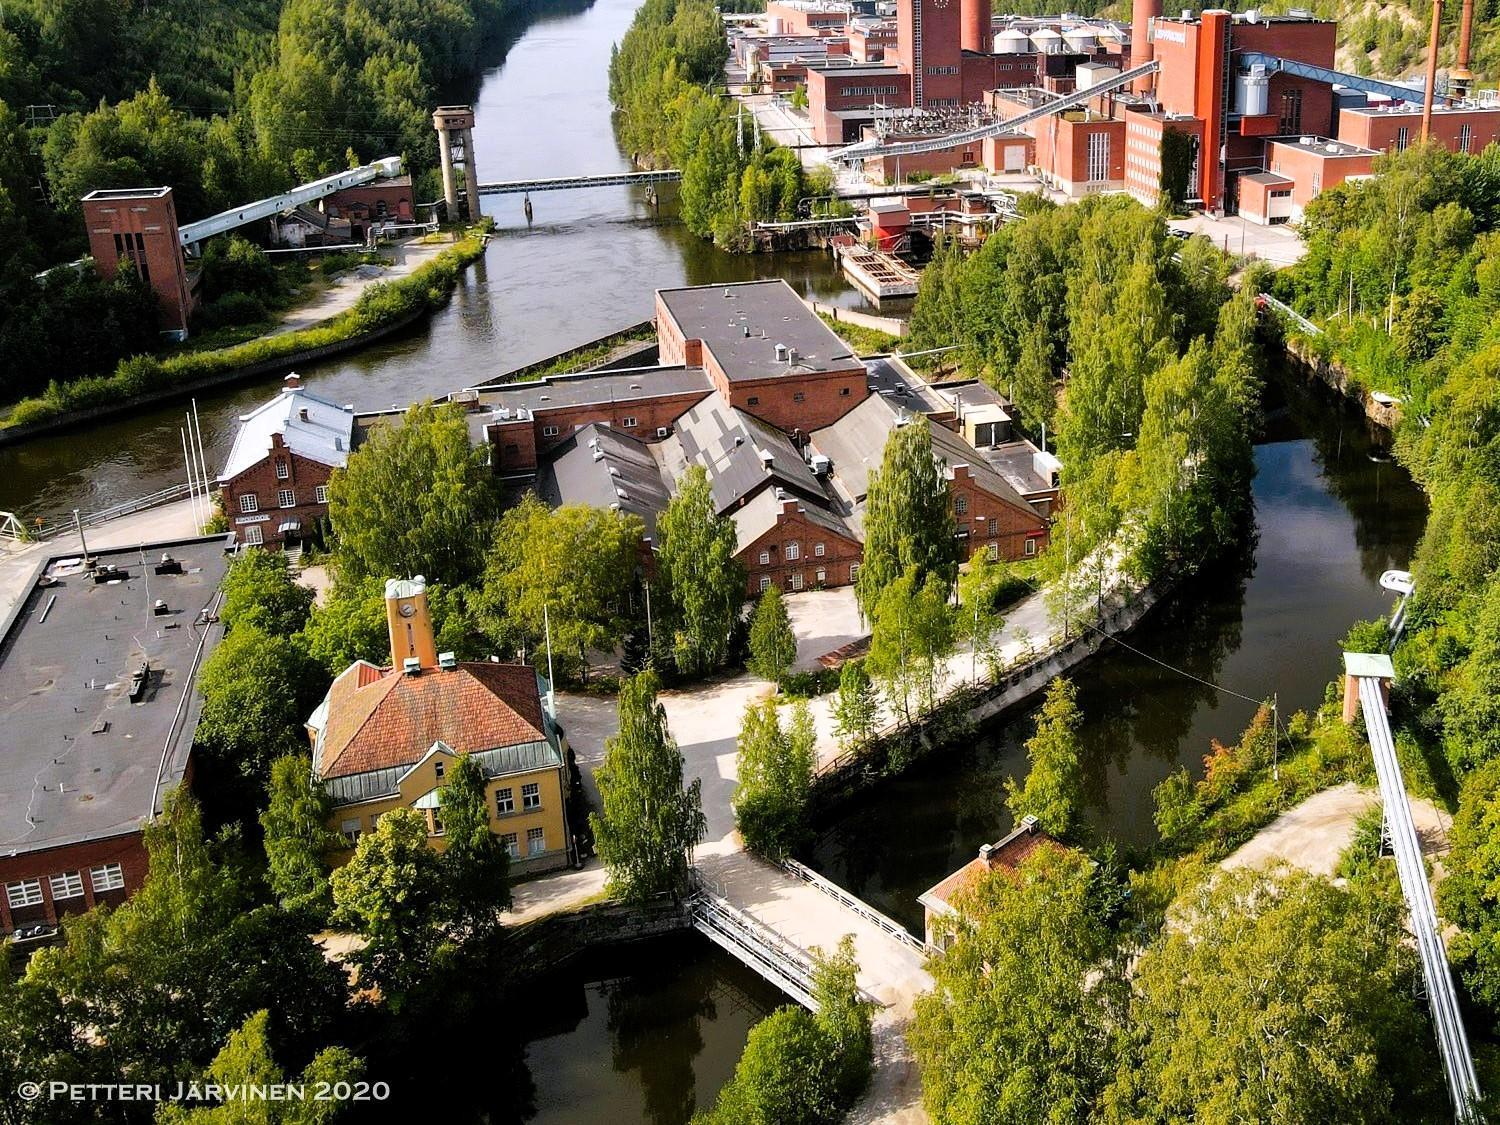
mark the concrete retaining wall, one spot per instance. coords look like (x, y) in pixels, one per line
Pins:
(890, 325)
(554, 939)
(1333, 376)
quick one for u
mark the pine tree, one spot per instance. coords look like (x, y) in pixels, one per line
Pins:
(702, 582)
(297, 836)
(909, 520)
(650, 822)
(773, 645)
(475, 863)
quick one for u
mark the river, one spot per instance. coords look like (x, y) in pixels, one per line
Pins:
(1331, 513)
(588, 265)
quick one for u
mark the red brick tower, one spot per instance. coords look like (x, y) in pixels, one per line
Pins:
(137, 228)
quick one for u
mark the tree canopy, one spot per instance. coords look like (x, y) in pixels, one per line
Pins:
(1053, 791)
(773, 645)
(701, 582)
(775, 769)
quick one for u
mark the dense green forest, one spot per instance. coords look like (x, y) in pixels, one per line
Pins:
(1154, 428)
(661, 81)
(223, 101)
(1404, 272)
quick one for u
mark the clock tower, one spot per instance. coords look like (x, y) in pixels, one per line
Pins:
(410, 623)
(929, 47)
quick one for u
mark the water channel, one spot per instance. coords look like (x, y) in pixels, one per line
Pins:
(588, 265)
(650, 1036)
(1331, 512)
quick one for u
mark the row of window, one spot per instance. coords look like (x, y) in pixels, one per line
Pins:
(505, 805)
(793, 552)
(796, 581)
(505, 799)
(285, 498)
(942, 70)
(868, 91)
(68, 884)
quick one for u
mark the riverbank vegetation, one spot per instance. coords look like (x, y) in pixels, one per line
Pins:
(664, 80)
(1403, 272)
(382, 304)
(801, 1067)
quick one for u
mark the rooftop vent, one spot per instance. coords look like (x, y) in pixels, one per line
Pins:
(302, 414)
(1308, 140)
(727, 293)
(781, 351)
(791, 355)
(747, 332)
(160, 608)
(1330, 148)
(447, 660)
(984, 852)
(411, 666)
(598, 455)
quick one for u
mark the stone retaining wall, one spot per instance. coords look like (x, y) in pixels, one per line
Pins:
(554, 939)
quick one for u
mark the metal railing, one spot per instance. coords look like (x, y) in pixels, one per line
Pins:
(1447, 1020)
(564, 183)
(1292, 314)
(114, 511)
(752, 943)
(854, 905)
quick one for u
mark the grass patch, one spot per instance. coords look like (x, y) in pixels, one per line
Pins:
(382, 303)
(864, 341)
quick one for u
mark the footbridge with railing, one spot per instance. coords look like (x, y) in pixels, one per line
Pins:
(573, 183)
(1367, 677)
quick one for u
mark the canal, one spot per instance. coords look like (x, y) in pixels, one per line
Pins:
(588, 265)
(1331, 513)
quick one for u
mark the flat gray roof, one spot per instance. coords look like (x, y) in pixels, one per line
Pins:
(592, 387)
(625, 474)
(79, 760)
(774, 314)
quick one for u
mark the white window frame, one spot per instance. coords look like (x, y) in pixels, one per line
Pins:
(629, 422)
(350, 831)
(511, 845)
(23, 892)
(993, 550)
(853, 571)
(320, 493)
(286, 498)
(531, 796)
(283, 470)
(822, 577)
(505, 801)
(1030, 547)
(796, 581)
(536, 842)
(793, 552)
(66, 885)
(819, 550)
(765, 558)
(253, 536)
(960, 504)
(106, 877)
(551, 431)
(765, 583)
(249, 502)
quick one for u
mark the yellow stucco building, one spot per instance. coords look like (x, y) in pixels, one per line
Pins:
(384, 738)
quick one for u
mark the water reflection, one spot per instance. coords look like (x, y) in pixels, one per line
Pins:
(1265, 621)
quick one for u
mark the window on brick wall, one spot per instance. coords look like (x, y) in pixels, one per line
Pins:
(819, 550)
(549, 431)
(67, 885)
(765, 583)
(320, 493)
(1031, 546)
(993, 551)
(793, 552)
(283, 470)
(286, 498)
(254, 536)
(106, 877)
(249, 502)
(25, 892)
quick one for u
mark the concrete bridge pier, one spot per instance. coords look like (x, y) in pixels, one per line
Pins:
(455, 123)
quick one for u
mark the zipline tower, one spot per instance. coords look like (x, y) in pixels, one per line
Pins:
(455, 130)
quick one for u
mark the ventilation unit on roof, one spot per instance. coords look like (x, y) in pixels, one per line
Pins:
(1331, 148)
(411, 666)
(1307, 140)
(780, 353)
(598, 455)
(614, 472)
(791, 355)
(727, 293)
(447, 660)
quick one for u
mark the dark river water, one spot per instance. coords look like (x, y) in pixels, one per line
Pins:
(1331, 513)
(589, 264)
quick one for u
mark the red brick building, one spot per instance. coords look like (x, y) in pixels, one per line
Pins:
(136, 228)
(1391, 127)
(794, 545)
(762, 350)
(274, 483)
(98, 686)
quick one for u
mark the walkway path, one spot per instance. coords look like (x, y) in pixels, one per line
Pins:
(348, 287)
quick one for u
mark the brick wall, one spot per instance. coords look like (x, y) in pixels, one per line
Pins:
(640, 418)
(127, 850)
(986, 519)
(793, 527)
(803, 402)
(144, 227)
(304, 477)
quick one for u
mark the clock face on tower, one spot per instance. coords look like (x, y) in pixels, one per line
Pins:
(407, 609)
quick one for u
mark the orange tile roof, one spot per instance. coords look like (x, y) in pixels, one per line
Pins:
(375, 723)
(1007, 855)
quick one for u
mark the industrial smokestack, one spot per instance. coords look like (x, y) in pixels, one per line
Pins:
(977, 21)
(1462, 78)
(1142, 12)
(1432, 53)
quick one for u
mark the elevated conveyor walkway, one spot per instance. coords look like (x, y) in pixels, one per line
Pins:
(1366, 673)
(572, 183)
